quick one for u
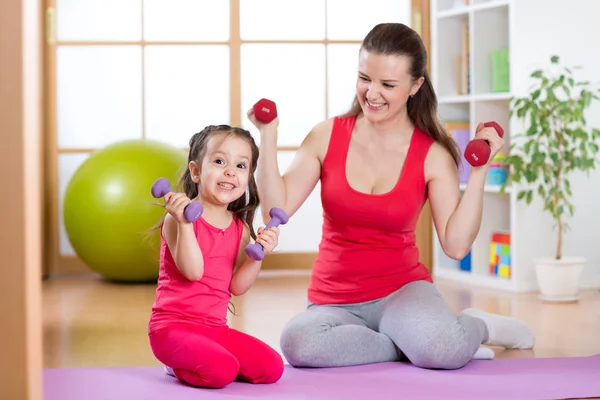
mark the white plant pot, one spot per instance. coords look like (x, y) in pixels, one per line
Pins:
(558, 280)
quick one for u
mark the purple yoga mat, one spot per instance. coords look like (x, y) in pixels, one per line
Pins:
(517, 378)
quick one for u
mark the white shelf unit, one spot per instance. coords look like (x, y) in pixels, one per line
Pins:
(488, 28)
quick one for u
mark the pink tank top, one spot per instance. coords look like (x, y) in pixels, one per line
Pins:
(179, 300)
(368, 248)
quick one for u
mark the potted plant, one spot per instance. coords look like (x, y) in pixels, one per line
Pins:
(556, 142)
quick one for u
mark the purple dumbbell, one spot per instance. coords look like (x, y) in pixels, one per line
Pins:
(192, 211)
(278, 216)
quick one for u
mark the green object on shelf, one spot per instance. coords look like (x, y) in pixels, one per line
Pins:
(500, 73)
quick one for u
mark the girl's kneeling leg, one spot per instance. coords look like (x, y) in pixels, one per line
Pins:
(195, 359)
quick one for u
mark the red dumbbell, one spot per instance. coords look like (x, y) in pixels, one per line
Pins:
(265, 110)
(477, 151)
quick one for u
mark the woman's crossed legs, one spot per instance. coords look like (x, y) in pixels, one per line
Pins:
(413, 323)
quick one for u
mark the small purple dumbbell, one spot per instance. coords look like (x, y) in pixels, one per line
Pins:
(278, 216)
(192, 211)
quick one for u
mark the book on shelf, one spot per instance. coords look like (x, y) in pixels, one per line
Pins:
(460, 131)
(462, 63)
(500, 71)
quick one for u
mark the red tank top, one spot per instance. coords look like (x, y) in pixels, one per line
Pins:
(179, 300)
(368, 249)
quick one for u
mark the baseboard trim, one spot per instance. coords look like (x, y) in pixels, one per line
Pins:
(71, 264)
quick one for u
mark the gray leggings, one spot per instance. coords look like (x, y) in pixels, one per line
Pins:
(412, 324)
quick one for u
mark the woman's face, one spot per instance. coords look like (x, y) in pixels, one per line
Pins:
(384, 85)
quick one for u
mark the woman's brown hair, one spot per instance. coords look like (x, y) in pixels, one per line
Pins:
(397, 39)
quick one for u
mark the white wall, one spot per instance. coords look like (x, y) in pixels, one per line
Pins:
(570, 30)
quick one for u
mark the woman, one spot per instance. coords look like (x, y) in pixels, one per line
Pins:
(370, 300)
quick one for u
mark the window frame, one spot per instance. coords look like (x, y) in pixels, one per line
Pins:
(57, 263)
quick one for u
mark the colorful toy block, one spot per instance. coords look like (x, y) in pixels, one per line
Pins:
(500, 254)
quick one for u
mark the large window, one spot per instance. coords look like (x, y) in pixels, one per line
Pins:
(163, 69)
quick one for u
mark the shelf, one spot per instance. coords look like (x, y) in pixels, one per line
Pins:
(489, 4)
(490, 43)
(478, 90)
(488, 188)
(463, 98)
(454, 12)
(466, 98)
(476, 268)
(464, 10)
(455, 111)
(452, 43)
(492, 96)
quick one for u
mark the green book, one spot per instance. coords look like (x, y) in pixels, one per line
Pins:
(500, 71)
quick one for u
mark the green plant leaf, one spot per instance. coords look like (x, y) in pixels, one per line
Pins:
(537, 74)
(541, 190)
(555, 140)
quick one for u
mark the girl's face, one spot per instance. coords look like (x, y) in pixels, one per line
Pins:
(225, 170)
(384, 85)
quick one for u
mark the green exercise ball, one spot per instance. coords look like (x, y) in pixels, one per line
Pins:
(109, 211)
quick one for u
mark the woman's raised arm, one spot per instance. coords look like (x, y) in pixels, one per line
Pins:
(290, 190)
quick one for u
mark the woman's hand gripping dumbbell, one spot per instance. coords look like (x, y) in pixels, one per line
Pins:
(278, 217)
(478, 151)
(192, 211)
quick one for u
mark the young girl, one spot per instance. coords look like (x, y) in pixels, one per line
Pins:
(203, 263)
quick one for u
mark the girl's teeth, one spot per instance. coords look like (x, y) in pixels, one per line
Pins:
(226, 186)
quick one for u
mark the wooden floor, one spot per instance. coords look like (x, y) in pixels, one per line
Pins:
(89, 322)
